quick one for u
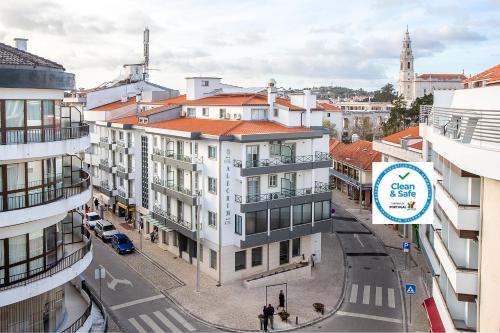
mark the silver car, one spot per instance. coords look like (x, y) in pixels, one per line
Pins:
(91, 220)
(105, 230)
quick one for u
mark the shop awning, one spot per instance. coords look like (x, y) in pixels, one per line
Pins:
(122, 205)
(433, 315)
(151, 220)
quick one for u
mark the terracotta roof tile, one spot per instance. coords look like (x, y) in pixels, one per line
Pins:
(410, 132)
(358, 154)
(131, 120)
(114, 105)
(441, 76)
(490, 75)
(12, 56)
(157, 109)
(327, 107)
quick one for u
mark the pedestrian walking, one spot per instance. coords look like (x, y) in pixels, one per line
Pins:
(270, 314)
(87, 209)
(96, 204)
(281, 299)
(266, 319)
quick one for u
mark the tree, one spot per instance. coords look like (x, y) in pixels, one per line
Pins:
(364, 129)
(414, 111)
(331, 128)
(385, 94)
(397, 118)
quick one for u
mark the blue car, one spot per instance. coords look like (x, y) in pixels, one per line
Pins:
(122, 244)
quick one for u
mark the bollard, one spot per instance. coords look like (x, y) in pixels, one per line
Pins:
(296, 320)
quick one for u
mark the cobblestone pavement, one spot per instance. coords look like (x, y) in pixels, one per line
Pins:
(232, 305)
(409, 268)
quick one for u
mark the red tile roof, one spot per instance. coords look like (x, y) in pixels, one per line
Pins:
(490, 75)
(441, 76)
(224, 127)
(410, 132)
(327, 107)
(358, 154)
(157, 109)
(131, 120)
(114, 105)
(417, 145)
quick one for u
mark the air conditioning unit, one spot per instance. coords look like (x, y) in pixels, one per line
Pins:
(183, 113)
(237, 116)
(227, 116)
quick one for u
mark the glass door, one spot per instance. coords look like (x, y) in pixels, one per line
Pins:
(252, 156)
(253, 189)
(180, 149)
(180, 211)
(284, 252)
(288, 153)
(288, 184)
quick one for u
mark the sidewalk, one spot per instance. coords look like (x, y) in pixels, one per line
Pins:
(232, 306)
(393, 242)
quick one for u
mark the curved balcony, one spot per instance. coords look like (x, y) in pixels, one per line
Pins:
(33, 283)
(56, 199)
(35, 142)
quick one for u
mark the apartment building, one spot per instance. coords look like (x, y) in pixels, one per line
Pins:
(42, 182)
(461, 136)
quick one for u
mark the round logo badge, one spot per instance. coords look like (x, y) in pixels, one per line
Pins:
(402, 192)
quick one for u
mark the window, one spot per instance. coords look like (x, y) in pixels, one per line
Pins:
(276, 112)
(296, 247)
(237, 224)
(205, 112)
(280, 218)
(201, 253)
(257, 256)
(273, 180)
(258, 114)
(256, 222)
(240, 260)
(204, 83)
(191, 112)
(212, 152)
(328, 114)
(212, 185)
(213, 259)
(322, 210)
(284, 252)
(212, 219)
(302, 214)
(222, 113)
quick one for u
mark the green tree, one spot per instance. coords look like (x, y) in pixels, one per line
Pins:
(414, 110)
(385, 94)
(331, 128)
(397, 118)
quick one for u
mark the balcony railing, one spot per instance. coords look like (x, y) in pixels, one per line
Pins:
(283, 194)
(26, 278)
(283, 160)
(171, 154)
(10, 136)
(123, 169)
(166, 214)
(104, 163)
(122, 193)
(169, 184)
(46, 195)
(106, 186)
(104, 139)
(123, 144)
(80, 321)
(463, 125)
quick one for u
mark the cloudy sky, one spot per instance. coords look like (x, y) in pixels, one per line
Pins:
(298, 42)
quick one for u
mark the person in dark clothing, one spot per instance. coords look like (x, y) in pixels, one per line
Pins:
(270, 314)
(96, 204)
(266, 317)
(281, 299)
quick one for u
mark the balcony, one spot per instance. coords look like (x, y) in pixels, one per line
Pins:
(173, 222)
(123, 146)
(463, 217)
(106, 165)
(179, 192)
(124, 197)
(124, 172)
(37, 282)
(107, 189)
(105, 142)
(284, 198)
(283, 164)
(345, 178)
(35, 142)
(464, 280)
(189, 163)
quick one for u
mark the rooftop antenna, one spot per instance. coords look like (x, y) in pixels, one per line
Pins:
(145, 73)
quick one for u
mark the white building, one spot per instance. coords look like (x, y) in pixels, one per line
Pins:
(461, 135)
(42, 182)
(412, 85)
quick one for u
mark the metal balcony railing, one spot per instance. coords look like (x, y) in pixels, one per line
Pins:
(104, 162)
(171, 154)
(177, 188)
(123, 144)
(123, 169)
(177, 220)
(10, 136)
(122, 193)
(283, 194)
(283, 160)
(105, 185)
(104, 139)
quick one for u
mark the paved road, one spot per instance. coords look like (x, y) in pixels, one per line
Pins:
(372, 301)
(134, 302)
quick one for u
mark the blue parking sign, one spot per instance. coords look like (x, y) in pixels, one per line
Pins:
(406, 246)
(410, 289)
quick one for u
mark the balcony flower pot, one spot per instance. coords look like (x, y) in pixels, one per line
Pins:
(284, 315)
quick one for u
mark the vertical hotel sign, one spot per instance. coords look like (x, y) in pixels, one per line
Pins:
(402, 193)
(227, 187)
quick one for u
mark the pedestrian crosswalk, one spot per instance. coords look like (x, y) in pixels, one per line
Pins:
(367, 295)
(170, 321)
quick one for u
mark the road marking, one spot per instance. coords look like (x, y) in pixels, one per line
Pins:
(359, 240)
(137, 301)
(181, 320)
(151, 323)
(115, 281)
(354, 293)
(366, 295)
(390, 298)
(167, 322)
(365, 316)
(378, 296)
(137, 326)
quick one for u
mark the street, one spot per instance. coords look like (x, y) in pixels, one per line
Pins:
(134, 302)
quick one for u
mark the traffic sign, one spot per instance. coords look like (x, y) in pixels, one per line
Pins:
(410, 289)
(100, 273)
(406, 246)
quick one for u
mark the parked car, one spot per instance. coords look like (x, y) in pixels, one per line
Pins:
(91, 219)
(122, 244)
(105, 230)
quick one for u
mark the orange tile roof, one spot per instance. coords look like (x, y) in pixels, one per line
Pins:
(327, 107)
(224, 127)
(333, 143)
(157, 109)
(441, 76)
(286, 103)
(417, 145)
(131, 120)
(490, 75)
(181, 99)
(358, 154)
(114, 105)
(410, 132)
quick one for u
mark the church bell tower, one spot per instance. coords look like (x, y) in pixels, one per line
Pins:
(406, 71)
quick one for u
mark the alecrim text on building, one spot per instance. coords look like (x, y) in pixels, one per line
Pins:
(402, 193)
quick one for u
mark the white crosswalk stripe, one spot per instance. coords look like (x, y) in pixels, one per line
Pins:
(154, 327)
(390, 298)
(366, 294)
(166, 322)
(354, 293)
(181, 320)
(137, 326)
(378, 296)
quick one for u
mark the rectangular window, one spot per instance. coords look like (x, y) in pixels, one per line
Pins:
(322, 210)
(212, 185)
(296, 247)
(276, 112)
(212, 152)
(256, 222)
(222, 113)
(302, 214)
(213, 259)
(280, 218)
(191, 112)
(14, 113)
(273, 180)
(257, 256)
(237, 224)
(205, 83)
(205, 112)
(212, 219)
(258, 114)
(240, 260)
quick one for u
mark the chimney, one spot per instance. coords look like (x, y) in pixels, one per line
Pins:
(21, 44)
(271, 95)
(309, 103)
